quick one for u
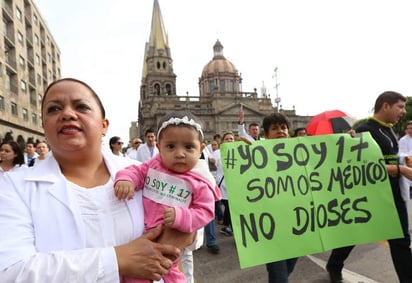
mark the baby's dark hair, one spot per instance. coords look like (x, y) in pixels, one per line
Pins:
(192, 122)
(274, 118)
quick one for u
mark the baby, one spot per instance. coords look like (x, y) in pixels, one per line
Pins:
(178, 189)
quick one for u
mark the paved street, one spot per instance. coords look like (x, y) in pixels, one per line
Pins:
(368, 263)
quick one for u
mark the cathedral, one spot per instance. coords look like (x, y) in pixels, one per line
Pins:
(220, 95)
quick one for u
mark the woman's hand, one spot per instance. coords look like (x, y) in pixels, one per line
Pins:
(144, 258)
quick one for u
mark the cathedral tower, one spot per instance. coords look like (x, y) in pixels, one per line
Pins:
(158, 78)
(220, 90)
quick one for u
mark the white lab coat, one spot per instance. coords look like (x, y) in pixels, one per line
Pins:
(404, 183)
(241, 131)
(143, 153)
(42, 238)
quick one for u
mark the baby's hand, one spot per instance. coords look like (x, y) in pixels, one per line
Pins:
(124, 189)
(169, 216)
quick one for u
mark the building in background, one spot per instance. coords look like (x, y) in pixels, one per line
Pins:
(29, 61)
(220, 90)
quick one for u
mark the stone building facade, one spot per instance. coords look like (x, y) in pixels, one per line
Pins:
(220, 95)
(29, 61)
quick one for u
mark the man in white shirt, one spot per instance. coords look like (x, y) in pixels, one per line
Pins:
(405, 142)
(254, 129)
(30, 153)
(147, 150)
(132, 151)
(405, 153)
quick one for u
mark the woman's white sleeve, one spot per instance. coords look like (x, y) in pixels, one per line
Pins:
(20, 261)
(242, 132)
(86, 265)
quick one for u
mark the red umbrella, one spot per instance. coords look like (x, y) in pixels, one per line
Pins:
(329, 122)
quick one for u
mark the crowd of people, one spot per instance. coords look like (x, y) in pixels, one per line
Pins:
(14, 156)
(75, 210)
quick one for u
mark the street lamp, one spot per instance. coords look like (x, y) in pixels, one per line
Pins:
(277, 98)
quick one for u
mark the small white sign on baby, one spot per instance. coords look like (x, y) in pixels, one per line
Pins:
(166, 189)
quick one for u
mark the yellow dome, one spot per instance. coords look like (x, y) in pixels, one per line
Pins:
(219, 64)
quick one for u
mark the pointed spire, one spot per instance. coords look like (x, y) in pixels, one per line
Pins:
(263, 89)
(158, 35)
(158, 44)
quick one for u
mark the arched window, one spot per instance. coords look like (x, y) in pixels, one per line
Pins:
(222, 86)
(157, 89)
(212, 87)
(168, 89)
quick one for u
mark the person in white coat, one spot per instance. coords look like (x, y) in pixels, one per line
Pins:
(148, 150)
(60, 221)
(253, 130)
(220, 180)
(11, 157)
(134, 146)
(405, 157)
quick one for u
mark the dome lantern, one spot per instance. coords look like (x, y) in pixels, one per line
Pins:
(218, 50)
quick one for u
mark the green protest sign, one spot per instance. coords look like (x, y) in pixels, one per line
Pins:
(298, 196)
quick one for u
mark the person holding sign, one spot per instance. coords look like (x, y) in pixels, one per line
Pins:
(276, 126)
(178, 189)
(389, 108)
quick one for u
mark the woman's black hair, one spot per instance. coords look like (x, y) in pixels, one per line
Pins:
(113, 140)
(99, 102)
(19, 158)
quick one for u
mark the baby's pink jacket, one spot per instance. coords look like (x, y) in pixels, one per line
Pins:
(188, 219)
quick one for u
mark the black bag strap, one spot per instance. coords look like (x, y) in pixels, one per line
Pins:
(221, 180)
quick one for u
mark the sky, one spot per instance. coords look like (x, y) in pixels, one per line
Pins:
(329, 54)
